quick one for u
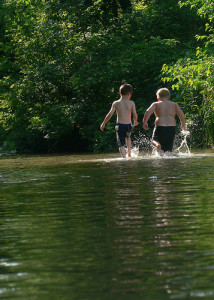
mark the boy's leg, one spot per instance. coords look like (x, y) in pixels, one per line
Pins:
(163, 138)
(169, 137)
(122, 151)
(128, 144)
(120, 134)
(120, 138)
(156, 137)
(157, 145)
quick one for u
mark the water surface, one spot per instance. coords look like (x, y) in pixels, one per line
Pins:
(101, 227)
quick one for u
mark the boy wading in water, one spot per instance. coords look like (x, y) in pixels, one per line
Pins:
(124, 108)
(165, 123)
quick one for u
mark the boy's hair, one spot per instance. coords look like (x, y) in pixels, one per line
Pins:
(163, 93)
(125, 89)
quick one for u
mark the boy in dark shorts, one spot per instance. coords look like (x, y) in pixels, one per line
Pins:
(124, 108)
(165, 123)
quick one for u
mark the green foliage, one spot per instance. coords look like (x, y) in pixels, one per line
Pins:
(63, 61)
(193, 78)
(205, 8)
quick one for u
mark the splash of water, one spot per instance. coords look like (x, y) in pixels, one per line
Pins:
(141, 143)
(144, 142)
(135, 151)
(184, 148)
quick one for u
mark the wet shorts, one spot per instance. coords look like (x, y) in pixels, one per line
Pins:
(165, 135)
(122, 132)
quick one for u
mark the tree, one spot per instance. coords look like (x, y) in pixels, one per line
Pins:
(68, 59)
(193, 78)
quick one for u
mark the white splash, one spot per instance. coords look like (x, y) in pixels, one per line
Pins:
(184, 148)
(144, 143)
(135, 151)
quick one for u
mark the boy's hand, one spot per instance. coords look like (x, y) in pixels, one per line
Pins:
(183, 127)
(136, 123)
(102, 126)
(145, 126)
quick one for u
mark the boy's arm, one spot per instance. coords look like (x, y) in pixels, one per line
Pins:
(135, 116)
(147, 115)
(181, 116)
(108, 117)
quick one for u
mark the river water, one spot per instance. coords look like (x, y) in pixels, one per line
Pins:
(101, 227)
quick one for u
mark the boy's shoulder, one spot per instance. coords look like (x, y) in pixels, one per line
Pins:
(123, 101)
(131, 102)
(173, 103)
(166, 102)
(154, 103)
(116, 101)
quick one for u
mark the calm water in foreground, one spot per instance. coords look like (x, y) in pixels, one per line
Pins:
(99, 227)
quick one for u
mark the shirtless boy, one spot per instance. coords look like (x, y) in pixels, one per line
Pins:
(124, 108)
(165, 123)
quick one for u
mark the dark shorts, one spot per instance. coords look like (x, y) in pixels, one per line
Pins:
(165, 135)
(122, 132)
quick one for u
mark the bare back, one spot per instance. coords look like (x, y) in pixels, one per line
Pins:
(165, 113)
(124, 109)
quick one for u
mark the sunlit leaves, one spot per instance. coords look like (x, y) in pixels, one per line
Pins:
(194, 77)
(205, 8)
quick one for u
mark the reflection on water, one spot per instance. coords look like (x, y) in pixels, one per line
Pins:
(101, 227)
